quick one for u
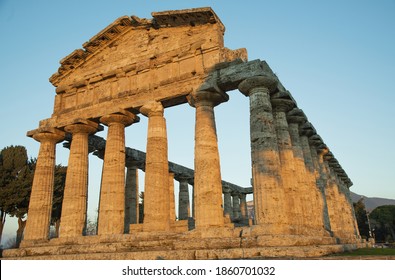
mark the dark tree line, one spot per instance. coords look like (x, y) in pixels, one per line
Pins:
(16, 179)
(379, 224)
(383, 223)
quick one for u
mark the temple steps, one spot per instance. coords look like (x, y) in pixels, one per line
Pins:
(173, 246)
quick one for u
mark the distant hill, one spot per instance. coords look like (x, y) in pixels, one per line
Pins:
(372, 202)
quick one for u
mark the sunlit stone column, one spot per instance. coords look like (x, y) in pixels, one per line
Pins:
(172, 204)
(227, 202)
(131, 195)
(243, 206)
(266, 168)
(112, 193)
(293, 191)
(236, 206)
(74, 206)
(311, 196)
(40, 205)
(183, 199)
(346, 229)
(207, 182)
(318, 165)
(156, 194)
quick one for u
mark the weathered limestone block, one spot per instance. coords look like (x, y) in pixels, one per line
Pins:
(112, 193)
(74, 205)
(156, 190)
(40, 206)
(266, 168)
(207, 182)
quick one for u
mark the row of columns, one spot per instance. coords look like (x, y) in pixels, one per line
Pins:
(296, 187)
(296, 190)
(235, 205)
(159, 188)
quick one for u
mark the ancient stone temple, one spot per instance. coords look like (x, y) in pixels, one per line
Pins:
(136, 68)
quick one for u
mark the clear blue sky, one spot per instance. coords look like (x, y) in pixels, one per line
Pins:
(337, 58)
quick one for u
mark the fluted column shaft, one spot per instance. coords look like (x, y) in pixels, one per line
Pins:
(183, 200)
(131, 197)
(112, 193)
(228, 202)
(308, 160)
(40, 205)
(293, 190)
(156, 194)
(73, 219)
(266, 168)
(236, 206)
(207, 182)
(172, 204)
(243, 206)
(321, 179)
(311, 196)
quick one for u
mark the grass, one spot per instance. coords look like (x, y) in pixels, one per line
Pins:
(370, 252)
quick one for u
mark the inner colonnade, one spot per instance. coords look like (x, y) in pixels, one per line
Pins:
(137, 68)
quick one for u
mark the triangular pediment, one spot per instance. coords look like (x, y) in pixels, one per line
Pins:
(129, 41)
(133, 61)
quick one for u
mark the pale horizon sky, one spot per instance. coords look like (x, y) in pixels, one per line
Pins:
(337, 58)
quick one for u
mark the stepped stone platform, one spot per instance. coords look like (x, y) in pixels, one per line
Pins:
(237, 243)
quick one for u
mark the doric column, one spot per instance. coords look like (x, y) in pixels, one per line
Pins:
(131, 195)
(207, 182)
(268, 192)
(183, 199)
(40, 205)
(73, 219)
(321, 177)
(342, 206)
(293, 189)
(236, 206)
(172, 204)
(112, 193)
(312, 196)
(156, 194)
(307, 130)
(243, 206)
(227, 202)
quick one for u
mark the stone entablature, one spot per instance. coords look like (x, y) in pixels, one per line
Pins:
(139, 66)
(135, 60)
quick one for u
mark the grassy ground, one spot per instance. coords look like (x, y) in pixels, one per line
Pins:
(370, 252)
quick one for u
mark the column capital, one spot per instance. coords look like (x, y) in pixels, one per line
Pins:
(83, 126)
(249, 84)
(282, 104)
(296, 115)
(47, 133)
(122, 116)
(316, 141)
(211, 98)
(307, 129)
(152, 108)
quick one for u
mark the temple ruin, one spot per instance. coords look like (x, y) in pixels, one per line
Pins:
(136, 68)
